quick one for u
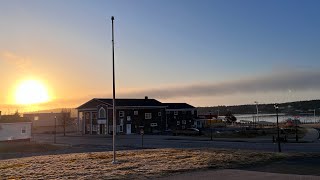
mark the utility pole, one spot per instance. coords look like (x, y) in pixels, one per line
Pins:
(114, 99)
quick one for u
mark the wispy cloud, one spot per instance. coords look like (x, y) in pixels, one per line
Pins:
(296, 81)
(22, 63)
(273, 82)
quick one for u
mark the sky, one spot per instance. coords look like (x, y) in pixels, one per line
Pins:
(206, 53)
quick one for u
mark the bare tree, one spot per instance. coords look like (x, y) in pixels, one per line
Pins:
(230, 118)
(65, 119)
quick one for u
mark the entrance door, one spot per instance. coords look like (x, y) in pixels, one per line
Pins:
(102, 129)
(128, 128)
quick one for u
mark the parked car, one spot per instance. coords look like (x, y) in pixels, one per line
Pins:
(188, 132)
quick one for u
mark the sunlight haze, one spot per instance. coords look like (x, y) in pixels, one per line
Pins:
(204, 53)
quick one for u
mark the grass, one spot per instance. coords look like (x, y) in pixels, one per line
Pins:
(135, 164)
(26, 147)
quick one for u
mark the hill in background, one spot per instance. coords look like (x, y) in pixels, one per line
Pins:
(74, 112)
(290, 108)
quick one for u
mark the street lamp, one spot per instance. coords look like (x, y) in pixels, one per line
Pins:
(256, 102)
(296, 129)
(278, 130)
(210, 124)
(55, 129)
(314, 114)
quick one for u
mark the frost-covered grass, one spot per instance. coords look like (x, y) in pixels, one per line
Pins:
(135, 164)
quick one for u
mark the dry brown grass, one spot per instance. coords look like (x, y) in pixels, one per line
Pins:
(137, 164)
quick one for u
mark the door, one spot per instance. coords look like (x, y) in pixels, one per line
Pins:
(102, 129)
(128, 128)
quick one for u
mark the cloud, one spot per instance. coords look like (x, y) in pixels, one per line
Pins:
(19, 62)
(273, 82)
(266, 85)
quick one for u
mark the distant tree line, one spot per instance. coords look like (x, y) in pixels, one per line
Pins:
(290, 108)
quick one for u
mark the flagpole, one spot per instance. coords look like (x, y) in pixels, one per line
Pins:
(113, 100)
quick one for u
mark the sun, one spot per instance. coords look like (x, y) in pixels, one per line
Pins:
(31, 92)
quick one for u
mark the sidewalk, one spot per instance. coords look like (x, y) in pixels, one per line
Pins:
(234, 174)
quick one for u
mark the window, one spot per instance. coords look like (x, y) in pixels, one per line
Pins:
(94, 127)
(24, 130)
(121, 121)
(183, 127)
(102, 113)
(153, 124)
(94, 115)
(184, 122)
(121, 113)
(175, 112)
(178, 123)
(128, 118)
(159, 113)
(121, 128)
(192, 112)
(87, 116)
(147, 116)
(36, 118)
(135, 113)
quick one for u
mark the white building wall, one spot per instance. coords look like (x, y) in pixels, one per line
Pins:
(15, 131)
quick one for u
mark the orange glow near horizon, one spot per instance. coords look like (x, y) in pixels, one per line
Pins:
(31, 92)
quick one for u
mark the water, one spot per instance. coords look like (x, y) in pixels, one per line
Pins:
(273, 118)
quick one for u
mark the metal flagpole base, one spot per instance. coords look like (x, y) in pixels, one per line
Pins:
(115, 162)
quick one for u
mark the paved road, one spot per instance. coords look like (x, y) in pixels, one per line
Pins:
(312, 135)
(288, 169)
(235, 174)
(97, 143)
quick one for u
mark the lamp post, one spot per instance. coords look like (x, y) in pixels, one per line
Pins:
(278, 130)
(113, 100)
(257, 116)
(210, 125)
(314, 114)
(296, 129)
(55, 129)
(256, 102)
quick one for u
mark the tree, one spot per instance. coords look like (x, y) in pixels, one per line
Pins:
(230, 118)
(17, 114)
(65, 119)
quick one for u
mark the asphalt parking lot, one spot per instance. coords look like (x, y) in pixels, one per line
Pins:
(104, 143)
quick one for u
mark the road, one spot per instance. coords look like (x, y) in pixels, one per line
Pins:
(236, 174)
(104, 143)
(302, 168)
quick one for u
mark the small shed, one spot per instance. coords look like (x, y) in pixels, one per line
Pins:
(13, 128)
